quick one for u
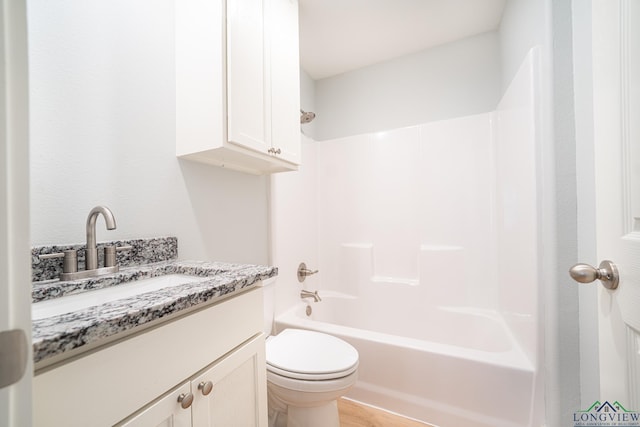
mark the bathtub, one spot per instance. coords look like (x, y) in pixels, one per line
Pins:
(448, 366)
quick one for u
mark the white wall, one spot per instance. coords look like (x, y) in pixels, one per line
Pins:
(294, 216)
(516, 138)
(523, 26)
(585, 183)
(308, 102)
(294, 227)
(548, 24)
(415, 205)
(453, 80)
(102, 96)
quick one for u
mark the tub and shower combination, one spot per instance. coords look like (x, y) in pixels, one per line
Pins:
(426, 242)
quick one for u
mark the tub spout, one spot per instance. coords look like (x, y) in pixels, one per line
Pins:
(308, 294)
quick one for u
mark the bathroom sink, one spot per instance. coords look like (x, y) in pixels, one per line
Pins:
(71, 303)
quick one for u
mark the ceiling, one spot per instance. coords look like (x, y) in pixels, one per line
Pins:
(343, 35)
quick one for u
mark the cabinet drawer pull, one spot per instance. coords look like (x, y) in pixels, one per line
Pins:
(205, 387)
(185, 400)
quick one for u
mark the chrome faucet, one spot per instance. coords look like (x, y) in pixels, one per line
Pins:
(91, 258)
(308, 294)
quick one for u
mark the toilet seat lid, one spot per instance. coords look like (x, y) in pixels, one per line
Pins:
(300, 354)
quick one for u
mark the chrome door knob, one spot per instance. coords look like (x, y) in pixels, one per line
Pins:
(607, 273)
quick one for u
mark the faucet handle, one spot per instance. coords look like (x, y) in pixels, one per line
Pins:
(303, 272)
(51, 256)
(110, 254)
(70, 262)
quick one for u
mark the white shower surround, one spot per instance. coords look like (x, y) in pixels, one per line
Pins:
(415, 219)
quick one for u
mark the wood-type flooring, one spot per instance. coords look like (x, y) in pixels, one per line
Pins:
(354, 414)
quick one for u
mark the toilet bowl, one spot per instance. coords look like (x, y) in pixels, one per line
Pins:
(306, 373)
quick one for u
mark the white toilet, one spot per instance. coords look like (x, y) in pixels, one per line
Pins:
(306, 373)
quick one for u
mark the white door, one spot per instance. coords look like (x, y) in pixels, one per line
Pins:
(15, 281)
(616, 107)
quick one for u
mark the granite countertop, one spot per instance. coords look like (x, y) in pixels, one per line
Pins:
(55, 335)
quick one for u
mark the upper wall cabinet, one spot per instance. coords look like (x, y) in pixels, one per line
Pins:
(238, 84)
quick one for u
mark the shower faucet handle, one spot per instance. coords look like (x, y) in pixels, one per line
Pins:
(303, 272)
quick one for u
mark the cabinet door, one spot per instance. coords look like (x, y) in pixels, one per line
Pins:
(166, 412)
(282, 19)
(239, 394)
(200, 94)
(246, 75)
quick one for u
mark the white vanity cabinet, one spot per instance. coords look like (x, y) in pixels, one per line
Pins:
(137, 381)
(228, 393)
(238, 84)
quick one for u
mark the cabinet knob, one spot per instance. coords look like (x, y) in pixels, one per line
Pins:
(205, 387)
(185, 400)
